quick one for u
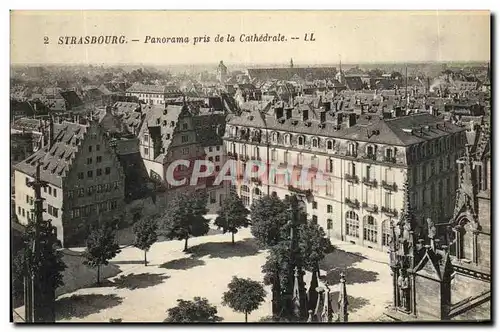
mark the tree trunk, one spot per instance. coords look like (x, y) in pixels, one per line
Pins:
(98, 274)
(145, 258)
(186, 243)
(246, 317)
(232, 235)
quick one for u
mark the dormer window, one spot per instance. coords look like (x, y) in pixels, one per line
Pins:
(388, 153)
(329, 145)
(301, 140)
(172, 124)
(275, 137)
(287, 139)
(370, 150)
(235, 131)
(315, 142)
(351, 149)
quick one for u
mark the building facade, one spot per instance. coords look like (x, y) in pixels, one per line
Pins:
(355, 165)
(152, 94)
(85, 181)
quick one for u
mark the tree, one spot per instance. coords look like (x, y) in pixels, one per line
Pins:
(244, 295)
(314, 245)
(18, 274)
(145, 235)
(232, 215)
(396, 76)
(269, 215)
(197, 311)
(101, 247)
(185, 217)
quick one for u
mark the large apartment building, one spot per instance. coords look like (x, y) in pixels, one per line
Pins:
(356, 165)
(153, 94)
(85, 180)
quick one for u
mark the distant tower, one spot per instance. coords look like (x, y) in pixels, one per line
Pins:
(221, 72)
(291, 63)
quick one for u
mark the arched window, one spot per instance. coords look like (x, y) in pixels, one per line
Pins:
(352, 224)
(370, 150)
(245, 195)
(351, 149)
(370, 229)
(244, 150)
(235, 131)
(256, 152)
(257, 193)
(315, 142)
(386, 233)
(329, 145)
(301, 140)
(275, 137)
(287, 139)
(233, 148)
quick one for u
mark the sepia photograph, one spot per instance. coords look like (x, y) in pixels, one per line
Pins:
(260, 167)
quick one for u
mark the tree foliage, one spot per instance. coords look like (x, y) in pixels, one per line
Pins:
(145, 231)
(184, 217)
(101, 247)
(244, 295)
(197, 311)
(232, 215)
(269, 216)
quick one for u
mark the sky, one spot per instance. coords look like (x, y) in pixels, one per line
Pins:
(352, 36)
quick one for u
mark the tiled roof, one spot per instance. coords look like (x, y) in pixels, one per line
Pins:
(404, 130)
(288, 73)
(56, 162)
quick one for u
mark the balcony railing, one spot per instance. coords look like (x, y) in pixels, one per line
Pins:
(390, 159)
(389, 212)
(351, 154)
(370, 182)
(351, 178)
(389, 186)
(352, 203)
(256, 180)
(370, 156)
(370, 207)
(299, 191)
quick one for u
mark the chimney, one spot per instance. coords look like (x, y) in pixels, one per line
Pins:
(278, 111)
(322, 116)
(51, 132)
(305, 115)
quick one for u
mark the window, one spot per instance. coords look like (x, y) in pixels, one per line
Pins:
(386, 233)
(330, 165)
(314, 162)
(55, 192)
(27, 199)
(114, 204)
(185, 151)
(23, 211)
(275, 137)
(370, 229)
(388, 200)
(89, 174)
(44, 189)
(351, 149)
(287, 139)
(98, 172)
(185, 139)
(217, 148)
(90, 190)
(90, 148)
(368, 172)
(315, 143)
(245, 195)
(353, 169)
(301, 140)
(107, 170)
(300, 159)
(172, 123)
(210, 149)
(98, 147)
(184, 126)
(352, 224)
(89, 161)
(217, 158)
(315, 219)
(329, 224)
(217, 168)
(329, 187)
(329, 208)
(388, 153)
(273, 155)
(99, 159)
(55, 212)
(314, 205)
(286, 157)
(370, 151)
(329, 145)
(424, 172)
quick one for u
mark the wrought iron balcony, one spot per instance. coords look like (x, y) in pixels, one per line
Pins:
(389, 186)
(370, 207)
(351, 154)
(299, 191)
(390, 159)
(389, 212)
(352, 203)
(370, 156)
(370, 182)
(351, 178)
